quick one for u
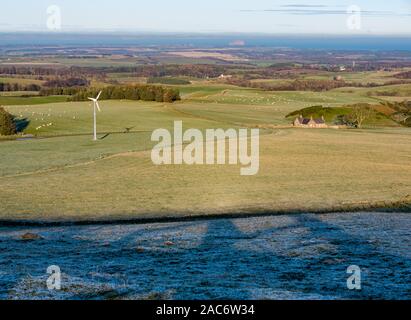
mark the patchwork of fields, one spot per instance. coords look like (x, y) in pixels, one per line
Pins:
(63, 175)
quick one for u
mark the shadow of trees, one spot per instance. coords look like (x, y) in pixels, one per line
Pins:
(306, 258)
(21, 124)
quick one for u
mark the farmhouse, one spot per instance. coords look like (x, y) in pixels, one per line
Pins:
(310, 122)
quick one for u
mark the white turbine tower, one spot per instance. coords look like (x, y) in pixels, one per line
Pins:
(95, 106)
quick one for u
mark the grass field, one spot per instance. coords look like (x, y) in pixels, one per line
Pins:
(379, 77)
(401, 91)
(66, 176)
(10, 100)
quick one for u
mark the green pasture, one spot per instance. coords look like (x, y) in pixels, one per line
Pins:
(299, 170)
(11, 100)
(379, 77)
(61, 174)
(70, 118)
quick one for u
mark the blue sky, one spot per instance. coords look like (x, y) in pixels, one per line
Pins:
(267, 16)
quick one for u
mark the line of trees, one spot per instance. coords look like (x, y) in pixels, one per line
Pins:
(296, 85)
(168, 80)
(137, 92)
(64, 83)
(58, 91)
(43, 71)
(18, 87)
(173, 70)
(306, 84)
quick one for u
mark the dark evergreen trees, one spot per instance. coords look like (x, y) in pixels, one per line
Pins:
(137, 92)
(7, 125)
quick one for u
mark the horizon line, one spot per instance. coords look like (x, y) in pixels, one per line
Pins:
(202, 33)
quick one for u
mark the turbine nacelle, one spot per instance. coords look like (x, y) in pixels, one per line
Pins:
(95, 100)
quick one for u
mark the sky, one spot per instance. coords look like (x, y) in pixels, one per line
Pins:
(210, 16)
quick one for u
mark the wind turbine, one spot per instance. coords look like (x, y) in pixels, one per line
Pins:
(95, 106)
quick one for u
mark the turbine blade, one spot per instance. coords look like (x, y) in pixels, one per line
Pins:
(92, 99)
(98, 107)
(99, 94)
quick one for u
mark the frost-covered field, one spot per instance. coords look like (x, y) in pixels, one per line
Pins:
(279, 257)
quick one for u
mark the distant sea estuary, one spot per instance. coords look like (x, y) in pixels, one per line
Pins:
(301, 256)
(115, 39)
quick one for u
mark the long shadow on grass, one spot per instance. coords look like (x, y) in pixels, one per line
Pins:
(304, 258)
(105, 136)
(21, 124)
(232, 264)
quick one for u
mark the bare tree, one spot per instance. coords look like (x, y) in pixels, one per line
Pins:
(360, 113)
